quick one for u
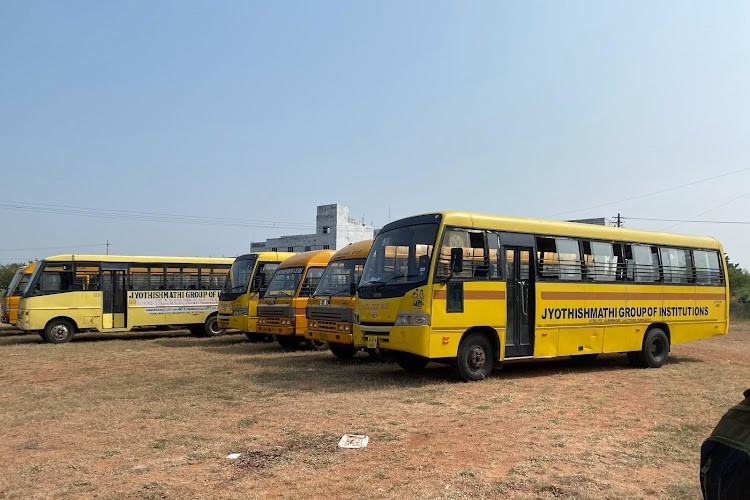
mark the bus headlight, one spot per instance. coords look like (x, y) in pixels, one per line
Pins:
(413, 319)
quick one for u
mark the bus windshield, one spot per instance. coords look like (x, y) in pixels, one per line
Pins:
(400, 256)
(22, 283)
(14, 281)
(284, 282)
(239, 275)
(338, 275)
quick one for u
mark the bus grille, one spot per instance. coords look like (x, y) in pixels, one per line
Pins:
(330, 313)
(273, 311)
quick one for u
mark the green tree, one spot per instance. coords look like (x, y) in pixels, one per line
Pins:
(739, 282)
(6, 273)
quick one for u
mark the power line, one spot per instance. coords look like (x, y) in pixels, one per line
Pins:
(690, 220)
(50, 248)
(148, 216)
(653, 192)
(724, 203)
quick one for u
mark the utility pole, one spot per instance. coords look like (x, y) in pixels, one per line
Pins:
(107, 247)
(618, 220)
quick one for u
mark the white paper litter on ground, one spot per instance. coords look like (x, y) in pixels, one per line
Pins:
(233, 456)
(353, 441)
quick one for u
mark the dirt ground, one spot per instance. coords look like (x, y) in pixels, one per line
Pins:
(153, 415)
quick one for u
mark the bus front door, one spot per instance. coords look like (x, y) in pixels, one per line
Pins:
(114, 296)
(519, 328)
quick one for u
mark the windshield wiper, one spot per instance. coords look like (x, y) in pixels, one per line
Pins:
(282, 293)
(378, 286)
(335, 292)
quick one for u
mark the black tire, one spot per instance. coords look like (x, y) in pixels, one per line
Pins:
(59, 331)
(655, 349)
(44, 339)
(211, 327)
(289, 342)
(475, 359)
(258, 337)
(382, 355)
(316, 345)
(343, 351)
(411, 362)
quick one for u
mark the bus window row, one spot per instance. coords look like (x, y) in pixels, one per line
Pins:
(59, 277)
(570, 259)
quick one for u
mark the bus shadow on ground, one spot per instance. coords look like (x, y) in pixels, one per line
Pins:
(319, 372)
(87, 337)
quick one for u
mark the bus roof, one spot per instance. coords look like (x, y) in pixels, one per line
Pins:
(305, 259)
(557, 228)
(358, 250)
(140, 258)
(267, 256)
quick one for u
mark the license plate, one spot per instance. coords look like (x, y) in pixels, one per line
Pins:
(323, 337)
(372, 342)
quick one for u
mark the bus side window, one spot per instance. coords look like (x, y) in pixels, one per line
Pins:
(475, 258)
(493, 254)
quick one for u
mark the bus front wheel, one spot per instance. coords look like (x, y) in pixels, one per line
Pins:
(475, 360)
(211, 327)
(289, 342)
(654, 352)
(59, 331)
(411, 362)
(343, 351)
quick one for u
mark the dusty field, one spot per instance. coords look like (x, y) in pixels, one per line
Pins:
(154, 417)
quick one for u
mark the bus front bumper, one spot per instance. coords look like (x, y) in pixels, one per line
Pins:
(412, 339)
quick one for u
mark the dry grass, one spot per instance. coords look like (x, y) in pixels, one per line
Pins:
(154, 417)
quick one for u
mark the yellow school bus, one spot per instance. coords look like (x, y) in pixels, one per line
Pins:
(245, 285)
(13, 294)
(281, 312)
(4, 317)
(116, 293)
(474, 290)
(329, 311)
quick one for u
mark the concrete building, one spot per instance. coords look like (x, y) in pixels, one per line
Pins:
(334, 229)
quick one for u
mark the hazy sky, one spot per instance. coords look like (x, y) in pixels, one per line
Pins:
(260, 111)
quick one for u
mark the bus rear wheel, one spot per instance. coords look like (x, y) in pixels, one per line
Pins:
(475, 360)
(59, 331)
(343, 351)
(654, 352)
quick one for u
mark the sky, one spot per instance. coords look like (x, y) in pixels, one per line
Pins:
(201, 126)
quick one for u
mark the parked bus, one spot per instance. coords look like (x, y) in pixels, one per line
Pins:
(13, 294)
(245, 285)
(501, 288)
(330, 310)
(281, 312)
(115, 293)
(4, 317)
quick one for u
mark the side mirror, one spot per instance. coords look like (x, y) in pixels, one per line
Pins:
(352, 289)
(258, 281)
(457, 260)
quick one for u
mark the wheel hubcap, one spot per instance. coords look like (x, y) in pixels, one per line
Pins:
(60, 332)
(214, 327)
(657, 349)
(477, 357)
